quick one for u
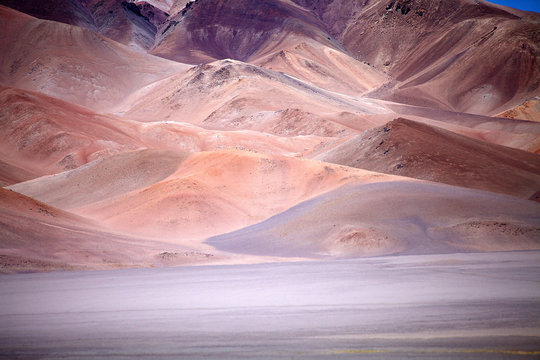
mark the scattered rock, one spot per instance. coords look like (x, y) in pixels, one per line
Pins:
(169, 256)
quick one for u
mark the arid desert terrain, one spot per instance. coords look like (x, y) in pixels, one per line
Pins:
(163, 133)
(270, 136)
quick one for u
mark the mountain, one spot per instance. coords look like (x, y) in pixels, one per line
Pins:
(455, 55)
(242, 30)
(409, 148)
(167, 132)
(132, 23)
(462, 55)
(189, 197)
(72, 63)
(45, 135)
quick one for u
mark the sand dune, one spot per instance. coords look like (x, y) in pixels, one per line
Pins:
(73, 64)
(385, 218)
(408, 148)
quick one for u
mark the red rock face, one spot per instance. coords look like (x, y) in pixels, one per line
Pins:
(306, 129)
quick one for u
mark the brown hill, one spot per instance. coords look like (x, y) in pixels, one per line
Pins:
(41, 135)
(461, 55)
(72, 63)
(103, 179)
(131, 23)
(210, 30)
(230, 95)
(44, 135)
(73, 12)
(408, 148)
(35, 237)
(324, 67)
(392, 217)
(517, 134)
(114, 144)
(210, 193)
(12, 174)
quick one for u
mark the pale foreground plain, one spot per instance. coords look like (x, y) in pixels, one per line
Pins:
(451, 306)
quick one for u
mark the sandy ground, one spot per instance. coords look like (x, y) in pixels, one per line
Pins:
(454, 306)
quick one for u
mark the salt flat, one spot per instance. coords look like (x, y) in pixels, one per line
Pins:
(452, 306)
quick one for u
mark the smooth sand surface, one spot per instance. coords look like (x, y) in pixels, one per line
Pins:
(454, 306)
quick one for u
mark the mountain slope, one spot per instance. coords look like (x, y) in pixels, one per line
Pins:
(384, 218)
(206, 194)
(462, 55)
(42, 135)
(268, 133)
(103, 179)
(242, 29)
(131, 23)
(325, 67)
(72, 63)
(35, 237)
(408, 148)
(230, 95)
(45, 135)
